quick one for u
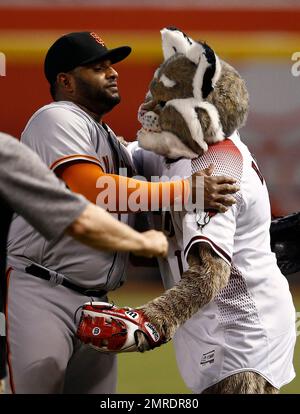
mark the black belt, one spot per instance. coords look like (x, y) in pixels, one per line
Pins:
(59, 279)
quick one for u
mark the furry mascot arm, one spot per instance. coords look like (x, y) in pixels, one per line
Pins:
(108, 328)
(206, 276)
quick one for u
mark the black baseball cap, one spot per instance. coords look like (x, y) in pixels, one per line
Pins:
(78, 49)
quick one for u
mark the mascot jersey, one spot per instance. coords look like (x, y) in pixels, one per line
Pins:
(250, 325)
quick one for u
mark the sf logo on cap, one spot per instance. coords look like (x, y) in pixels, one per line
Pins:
(97, 38)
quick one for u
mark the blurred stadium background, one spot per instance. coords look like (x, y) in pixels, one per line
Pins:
(259, 37)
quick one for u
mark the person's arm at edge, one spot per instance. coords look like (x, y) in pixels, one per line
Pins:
(98, 229)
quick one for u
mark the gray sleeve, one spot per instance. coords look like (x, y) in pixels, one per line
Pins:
(34, 192)
(59, 135)
(136, 154)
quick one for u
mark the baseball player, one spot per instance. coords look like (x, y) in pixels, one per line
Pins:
(249, 327)
(48, 281)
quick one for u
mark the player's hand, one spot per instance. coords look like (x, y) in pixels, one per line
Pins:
(154, 243)
(217, 190)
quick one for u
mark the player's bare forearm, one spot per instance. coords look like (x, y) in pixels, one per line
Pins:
(98, 229)
(207, 275)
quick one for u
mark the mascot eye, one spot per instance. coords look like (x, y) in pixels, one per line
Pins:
(162, 103)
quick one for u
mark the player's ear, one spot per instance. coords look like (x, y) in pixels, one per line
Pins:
(65, 81)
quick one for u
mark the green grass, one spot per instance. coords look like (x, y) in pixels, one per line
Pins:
(156, 372)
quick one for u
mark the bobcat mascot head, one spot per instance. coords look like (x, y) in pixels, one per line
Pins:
(195, 99)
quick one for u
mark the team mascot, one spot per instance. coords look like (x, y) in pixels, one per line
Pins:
(227, 338)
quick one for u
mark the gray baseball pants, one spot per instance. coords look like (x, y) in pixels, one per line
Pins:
(44, 355)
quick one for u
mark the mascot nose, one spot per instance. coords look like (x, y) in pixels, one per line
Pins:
(162, 103)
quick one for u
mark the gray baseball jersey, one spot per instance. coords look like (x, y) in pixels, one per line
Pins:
(59, 133)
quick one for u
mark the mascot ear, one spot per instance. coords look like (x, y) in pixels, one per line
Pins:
(208, 69)
(207, 62)
(174, 41)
